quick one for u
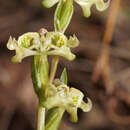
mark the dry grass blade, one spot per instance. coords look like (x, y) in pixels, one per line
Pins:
(102, 66)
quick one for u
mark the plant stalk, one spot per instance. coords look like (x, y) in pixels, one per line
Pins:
(111, 22)
(41, 118)
(54, 64)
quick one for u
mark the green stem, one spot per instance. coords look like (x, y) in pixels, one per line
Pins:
(54, 64)
(41, 118)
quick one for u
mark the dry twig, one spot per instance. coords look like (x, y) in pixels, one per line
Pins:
(102, 66)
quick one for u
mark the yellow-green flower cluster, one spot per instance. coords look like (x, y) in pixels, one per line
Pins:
(51, 43)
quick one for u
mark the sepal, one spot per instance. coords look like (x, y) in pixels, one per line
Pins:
(64, 77)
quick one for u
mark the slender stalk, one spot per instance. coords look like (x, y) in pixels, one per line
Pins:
(54, 64)
(102, 66)
(41, 118)
(113, 12)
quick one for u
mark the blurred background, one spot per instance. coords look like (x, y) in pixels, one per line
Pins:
(18, 102)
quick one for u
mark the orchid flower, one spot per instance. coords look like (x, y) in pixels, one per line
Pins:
(27, 45)
(59, 95)
(52, 43)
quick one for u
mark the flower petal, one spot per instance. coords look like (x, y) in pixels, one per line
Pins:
(64, 52)
(49, 3)
(101, 5)
(73, 42)
(12, 43)
(86, 107)
(21, 53)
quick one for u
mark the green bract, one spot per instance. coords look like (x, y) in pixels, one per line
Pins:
(52, 43)
(63, 15)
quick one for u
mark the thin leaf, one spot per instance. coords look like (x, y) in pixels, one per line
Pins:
(53, 118)
(64, 77)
